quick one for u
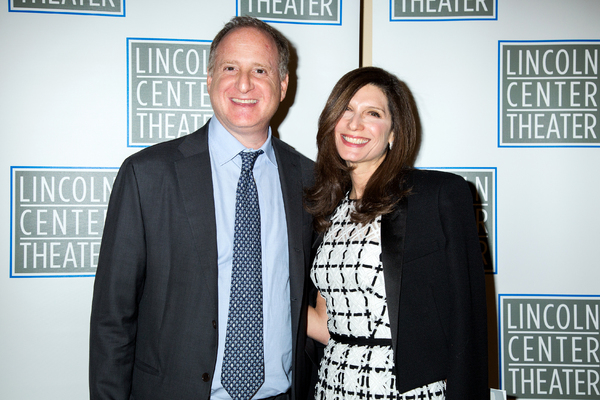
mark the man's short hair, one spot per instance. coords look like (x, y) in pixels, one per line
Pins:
(282, 44)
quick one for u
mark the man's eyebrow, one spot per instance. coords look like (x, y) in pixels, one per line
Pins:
(263, 66)
(260, 65)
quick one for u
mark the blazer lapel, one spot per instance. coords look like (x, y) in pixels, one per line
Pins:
(393, 233)
(290, 175)
(195, 182)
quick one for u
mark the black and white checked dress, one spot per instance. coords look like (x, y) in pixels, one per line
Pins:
(348, 272)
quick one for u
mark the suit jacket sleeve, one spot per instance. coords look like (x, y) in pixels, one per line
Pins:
(117, 288)
(466, 329)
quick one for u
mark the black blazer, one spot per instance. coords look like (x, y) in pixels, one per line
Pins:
(154, 312)
(435, 287)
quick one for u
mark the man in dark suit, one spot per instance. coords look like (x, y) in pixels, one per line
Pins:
(162, 289)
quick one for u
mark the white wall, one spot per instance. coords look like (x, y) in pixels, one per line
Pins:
(63, 92)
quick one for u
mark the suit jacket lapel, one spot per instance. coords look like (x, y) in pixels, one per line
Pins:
(393, 233)
(195, 182)
(290, 175)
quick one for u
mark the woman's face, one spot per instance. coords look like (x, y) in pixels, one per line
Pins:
(363, 133)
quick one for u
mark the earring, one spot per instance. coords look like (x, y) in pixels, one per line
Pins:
(390, 145)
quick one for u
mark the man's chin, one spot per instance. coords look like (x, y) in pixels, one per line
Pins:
(247, 128)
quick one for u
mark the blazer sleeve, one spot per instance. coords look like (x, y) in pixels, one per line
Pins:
(117, 289)
(467, 327)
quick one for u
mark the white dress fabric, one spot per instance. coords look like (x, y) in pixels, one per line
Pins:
(347, 270)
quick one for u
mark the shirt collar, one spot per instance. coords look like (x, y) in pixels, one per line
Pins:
(225, 147)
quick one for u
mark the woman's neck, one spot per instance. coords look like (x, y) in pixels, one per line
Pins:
(359, 183)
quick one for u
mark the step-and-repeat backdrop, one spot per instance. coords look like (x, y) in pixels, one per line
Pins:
(508, 93)
(508, 97)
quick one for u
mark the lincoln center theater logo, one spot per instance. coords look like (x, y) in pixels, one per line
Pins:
(168, 96)
(403, 10)
(95, 7)
(550, 346)
(548, 94)
(293, 11)
(57, 218)
(482, 182)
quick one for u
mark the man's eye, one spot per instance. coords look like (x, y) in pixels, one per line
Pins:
(260, 71)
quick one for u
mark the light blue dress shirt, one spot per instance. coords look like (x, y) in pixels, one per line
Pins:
(226, 164)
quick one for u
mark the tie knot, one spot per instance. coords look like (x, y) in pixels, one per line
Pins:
(249, 158)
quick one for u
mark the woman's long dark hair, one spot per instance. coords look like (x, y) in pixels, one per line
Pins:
(332, 176)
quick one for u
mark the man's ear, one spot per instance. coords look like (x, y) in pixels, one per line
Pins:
(284, 86)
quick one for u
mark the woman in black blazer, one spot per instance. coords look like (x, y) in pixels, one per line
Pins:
(401, 303)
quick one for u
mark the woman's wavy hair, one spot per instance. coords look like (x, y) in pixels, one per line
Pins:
(332, 175)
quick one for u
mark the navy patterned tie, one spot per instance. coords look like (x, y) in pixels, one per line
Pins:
(243, 370)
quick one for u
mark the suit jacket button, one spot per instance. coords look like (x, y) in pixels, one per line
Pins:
(205, 377)
(214, 323)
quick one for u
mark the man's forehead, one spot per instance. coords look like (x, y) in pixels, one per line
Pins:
(231, 49)
(248, 34)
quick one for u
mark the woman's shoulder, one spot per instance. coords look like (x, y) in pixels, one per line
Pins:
(438, 186)
(430, 178)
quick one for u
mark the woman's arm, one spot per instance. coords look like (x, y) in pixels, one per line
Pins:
(317, 321)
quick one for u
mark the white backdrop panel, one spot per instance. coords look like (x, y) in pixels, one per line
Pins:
(547, 218)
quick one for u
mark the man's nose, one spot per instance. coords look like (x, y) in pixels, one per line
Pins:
(244, 82)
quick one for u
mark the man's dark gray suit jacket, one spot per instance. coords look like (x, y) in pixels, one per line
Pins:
(154, 312)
